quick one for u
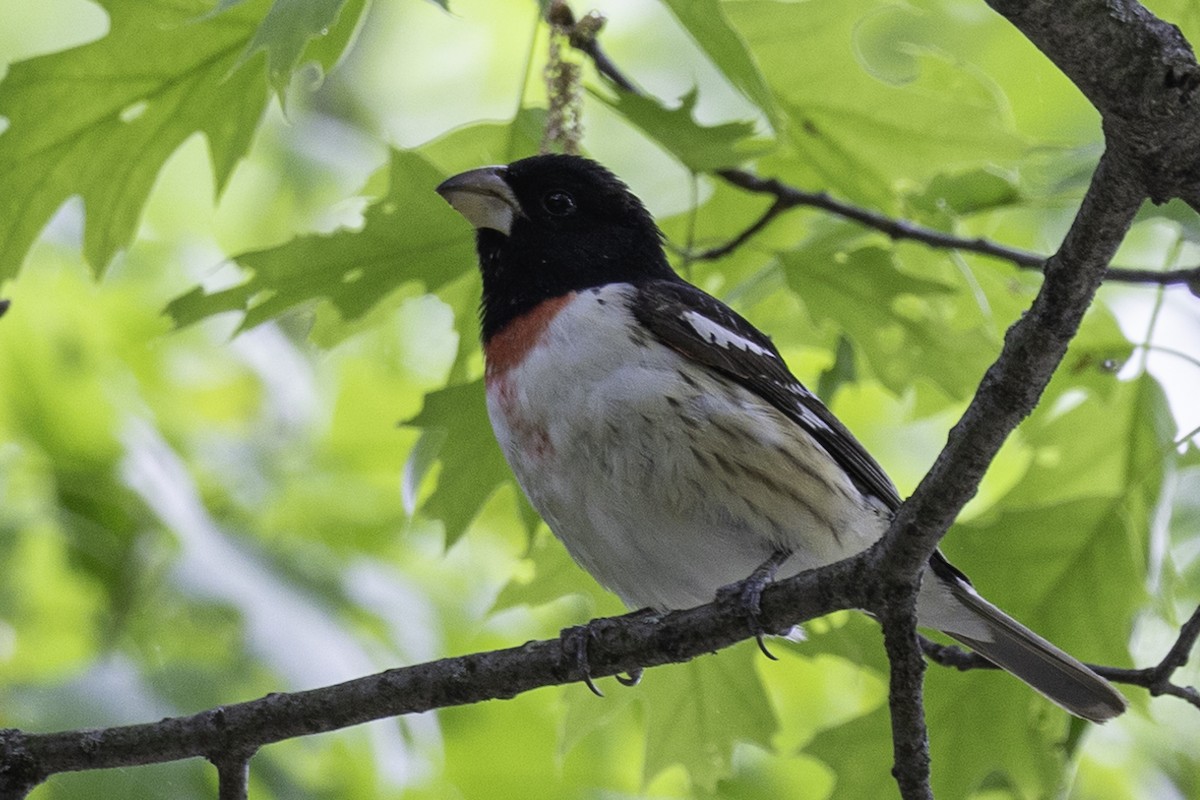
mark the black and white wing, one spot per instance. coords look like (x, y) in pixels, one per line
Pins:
(708, 332)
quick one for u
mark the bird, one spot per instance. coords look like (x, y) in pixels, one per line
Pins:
(662, 437)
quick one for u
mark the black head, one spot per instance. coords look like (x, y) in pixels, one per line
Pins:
(549, 225)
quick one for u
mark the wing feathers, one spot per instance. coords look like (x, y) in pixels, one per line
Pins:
(1056, 675)
(708, 332)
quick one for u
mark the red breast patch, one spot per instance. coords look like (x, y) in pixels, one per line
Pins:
(507, 348)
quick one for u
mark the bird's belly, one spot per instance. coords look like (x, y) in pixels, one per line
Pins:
(665, 482)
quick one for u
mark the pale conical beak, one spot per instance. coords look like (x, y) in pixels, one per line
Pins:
(484, 197)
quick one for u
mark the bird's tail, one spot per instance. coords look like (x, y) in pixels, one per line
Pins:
(1008, 644)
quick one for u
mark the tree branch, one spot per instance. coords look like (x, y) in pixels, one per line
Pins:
(906, 690)
(228, 734)
(1137, 70)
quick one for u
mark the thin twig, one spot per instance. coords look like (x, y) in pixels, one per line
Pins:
(1190, 277)
(791, 197)
(1177, 656)
(1156, 679)
(233, 775)
(713, 253)
(583, 38)
(788, 197)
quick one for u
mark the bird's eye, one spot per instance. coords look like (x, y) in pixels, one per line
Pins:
(559, 204)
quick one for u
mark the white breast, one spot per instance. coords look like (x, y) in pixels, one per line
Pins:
(664, 483)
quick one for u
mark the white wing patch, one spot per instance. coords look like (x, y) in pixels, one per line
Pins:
(715, 333)
(812, 420)
(807, 415)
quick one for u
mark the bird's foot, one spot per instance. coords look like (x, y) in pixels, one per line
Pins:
(748, 593)
(577, 640)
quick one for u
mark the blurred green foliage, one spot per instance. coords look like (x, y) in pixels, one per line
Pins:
(242, 441)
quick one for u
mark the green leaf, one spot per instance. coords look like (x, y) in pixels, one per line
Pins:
(857, 747)
(328, 48)
(907, 327)
(698, 711)
(854, 128)
(99, 120)
(1183, 580)
(587, 715)
(409, 235)
(859, 754)
(760, 775)
(975, 190)
(1176, 211)
(1043, 566)
(1129, 432)
(1016, 750)
(1041, 563)
(842, 370)
(553, 577)
(1023, 749)
(290, 25)
(701, 148)
(705, 21)
(472, 466)
(488, 142)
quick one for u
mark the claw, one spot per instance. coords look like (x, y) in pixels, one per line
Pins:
(575, 644)
(587, 679)
(762, 645)
(632, 678)
(749, 593)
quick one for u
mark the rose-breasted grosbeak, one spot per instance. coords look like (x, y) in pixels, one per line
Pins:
(662, 437)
